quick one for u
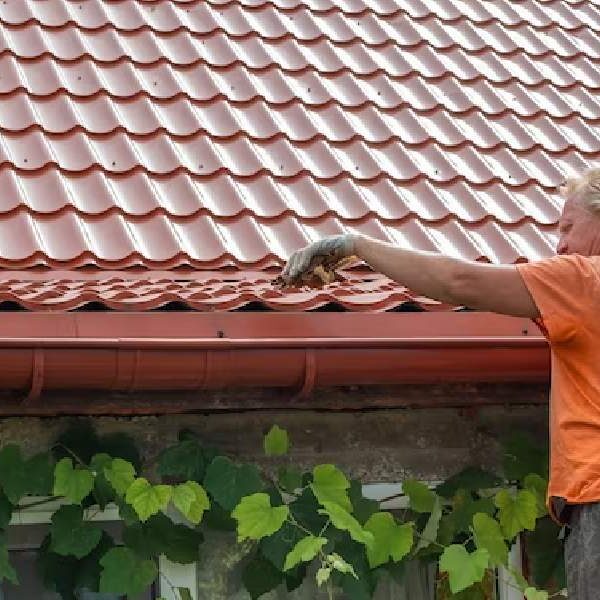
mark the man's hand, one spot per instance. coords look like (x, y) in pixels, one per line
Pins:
(328, 253)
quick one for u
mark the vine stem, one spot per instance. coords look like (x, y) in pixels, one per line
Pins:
(77, 458)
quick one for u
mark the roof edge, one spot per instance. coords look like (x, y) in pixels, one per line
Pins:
(298, 352)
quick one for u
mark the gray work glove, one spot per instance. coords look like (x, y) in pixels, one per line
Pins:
(328, 252)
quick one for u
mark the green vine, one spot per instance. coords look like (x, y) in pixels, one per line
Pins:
(288, 523)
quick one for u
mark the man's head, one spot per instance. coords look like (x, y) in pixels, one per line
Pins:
(579, 224)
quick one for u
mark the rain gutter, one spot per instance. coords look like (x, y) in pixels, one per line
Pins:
(172, 351)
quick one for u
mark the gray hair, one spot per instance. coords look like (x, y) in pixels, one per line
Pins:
(587, 188)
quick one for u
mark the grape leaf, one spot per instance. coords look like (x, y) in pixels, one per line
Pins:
(538, 487)
(278, 545)
(305, 511)
(516, 514)
(341, 565)
(489, 536)
(464, 569)
(544, 550)
(362, 507)
(19, 477)
(70, 534)
(148, 499)
(464, 508)
(74, 484)
(159, 535)
(304, 551)
(88, 568)
(276, 442)
(191, 500)
(6, 509)
(290, 478)
(420, 496)
(533, 594)
(331, 485)
(124, 573)
(470, 479)
(391, 540)
(103, 490)
(229, 483)
(522, 456)
(260, 576)
(257, 518)
(120, 474)
(430, 531)
(345, 521)
(59, 573)
(6, 569)
(186, 460)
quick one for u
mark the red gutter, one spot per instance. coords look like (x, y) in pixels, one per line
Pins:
(167, 351)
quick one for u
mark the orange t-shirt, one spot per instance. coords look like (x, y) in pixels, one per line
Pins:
(566, 290)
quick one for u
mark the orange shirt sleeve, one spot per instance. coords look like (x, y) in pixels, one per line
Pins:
(563, 288)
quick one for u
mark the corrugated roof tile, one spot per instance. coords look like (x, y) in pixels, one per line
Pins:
(227, 134)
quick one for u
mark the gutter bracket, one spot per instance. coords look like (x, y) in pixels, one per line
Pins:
(37, 376)
(310, 376)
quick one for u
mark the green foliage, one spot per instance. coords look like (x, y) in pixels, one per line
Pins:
(186, 461)
(260, 576)
(159, 535)
(533, 594)
(120, 474)
(537, 486)
(276, 442)
(228, 483)
(545, 552)
(523, 456)
(70, 534)
(6, 510)
(148, 499)
(516, 513)
(256, 517)
(290, 478)
(345, 521)
(125, 573)
(390, 539)
(331, 486)
(488, 536)
(191, 500)
(470, 479)
(72, 483)
(6, 569)
(421, 498)
(430, 531)
(304, 551)
(20, 477)
(464, 569)
(317, 518)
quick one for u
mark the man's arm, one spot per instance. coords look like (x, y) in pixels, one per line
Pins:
(495, 288)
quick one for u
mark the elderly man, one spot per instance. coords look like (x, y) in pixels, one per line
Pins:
(562, 295)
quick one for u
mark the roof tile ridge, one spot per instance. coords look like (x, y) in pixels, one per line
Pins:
(342, 174)
(69, 208)
(311, 69)
(389, 42)
(317, 137)
(72, 23)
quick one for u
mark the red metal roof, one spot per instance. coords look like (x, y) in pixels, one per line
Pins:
(158, 139)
